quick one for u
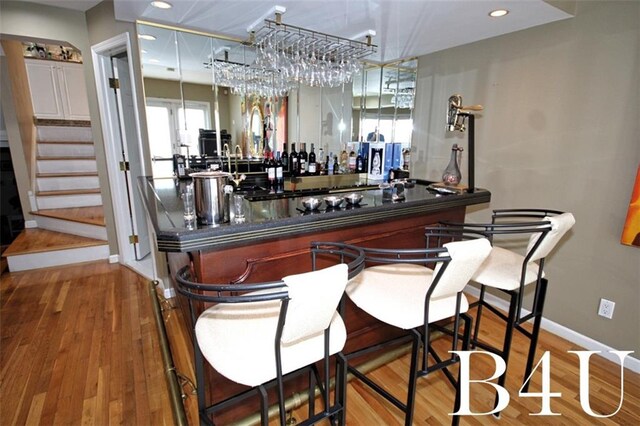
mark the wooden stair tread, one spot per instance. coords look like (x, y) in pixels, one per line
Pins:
(64, 123)
(66, 174)
(79, 157)
(41, 240)
(66, 142)
(68, 192)
(93, 215)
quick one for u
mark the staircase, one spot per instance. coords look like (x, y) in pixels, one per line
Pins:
(69, 213)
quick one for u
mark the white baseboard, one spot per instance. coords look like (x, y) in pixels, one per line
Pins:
(169, 293)
(114, 258)
(566, 333)
(30, 224)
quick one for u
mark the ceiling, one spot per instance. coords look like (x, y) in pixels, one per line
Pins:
(404, 28)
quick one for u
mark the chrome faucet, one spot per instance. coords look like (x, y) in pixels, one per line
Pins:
(236, 179)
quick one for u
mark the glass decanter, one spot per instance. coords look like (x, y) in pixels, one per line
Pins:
(452, 175)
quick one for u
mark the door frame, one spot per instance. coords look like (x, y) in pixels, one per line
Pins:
(101, 54)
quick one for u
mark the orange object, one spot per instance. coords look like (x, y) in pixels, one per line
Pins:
(631, 230)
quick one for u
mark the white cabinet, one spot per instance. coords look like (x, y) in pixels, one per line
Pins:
(57, 89)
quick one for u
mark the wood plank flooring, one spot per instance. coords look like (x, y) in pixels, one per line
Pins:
(79, 346)
(37, 240)
(93, 215)
(435, 395)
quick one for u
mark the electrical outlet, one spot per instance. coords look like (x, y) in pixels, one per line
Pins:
(606, 308)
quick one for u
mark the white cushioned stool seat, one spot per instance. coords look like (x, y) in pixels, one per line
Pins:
(238, 339)
(503, 268)
(389, 293)
(238, 342)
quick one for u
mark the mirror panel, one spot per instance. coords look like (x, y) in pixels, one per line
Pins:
(185, 95)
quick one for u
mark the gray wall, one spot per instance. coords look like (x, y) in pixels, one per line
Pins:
(559, 130)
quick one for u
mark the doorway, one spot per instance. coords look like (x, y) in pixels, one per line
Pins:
(123, 146)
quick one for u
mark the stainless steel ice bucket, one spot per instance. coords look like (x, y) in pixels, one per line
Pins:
(212, 191)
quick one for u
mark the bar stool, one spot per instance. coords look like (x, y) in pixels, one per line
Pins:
(255, 334)
(510, 272)
(398, 287)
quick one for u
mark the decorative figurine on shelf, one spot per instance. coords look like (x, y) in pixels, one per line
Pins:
(452, 175)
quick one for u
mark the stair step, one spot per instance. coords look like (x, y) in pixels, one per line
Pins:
(67, 174)
(67, 192)
(67, 142)
(59, 149)
(63, 201)
(65, 158)
(68, 183)
(36, 240)
(63, 133)
(85, 165)
(46, 122)
(40, 248)
(90, 215)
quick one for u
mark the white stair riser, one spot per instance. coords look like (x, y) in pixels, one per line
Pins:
(25, 262)
(65, 150)
(63, 133)
(76, 228)
(68, 183)
(64, 201)
(66, 166)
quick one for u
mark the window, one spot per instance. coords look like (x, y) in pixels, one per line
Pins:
(172, 131)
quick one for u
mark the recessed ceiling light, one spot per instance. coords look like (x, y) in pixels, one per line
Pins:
(146, 37)
(161, 4)
(154, 61)
(143, 51)
(498, 13)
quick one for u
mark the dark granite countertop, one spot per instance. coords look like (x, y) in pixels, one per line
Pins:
(281, 217)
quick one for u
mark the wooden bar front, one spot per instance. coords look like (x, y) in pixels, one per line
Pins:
(272, 259)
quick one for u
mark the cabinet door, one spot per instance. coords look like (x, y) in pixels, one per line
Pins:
(43, 83)
(73, 91)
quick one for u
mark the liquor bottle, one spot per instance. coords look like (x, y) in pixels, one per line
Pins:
(321, 168)
(293, 161)
(303, 159)
(336, 166)
(328, 165)
(279, 173)
(344, 160)
(359, 164)
(285, 159)
(313, 167)
(352, 161)
(271, 172)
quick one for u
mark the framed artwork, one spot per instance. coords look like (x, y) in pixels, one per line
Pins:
(631, 230)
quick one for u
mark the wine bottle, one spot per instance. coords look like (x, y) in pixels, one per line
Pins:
(279, 173)
(313, 167)
(303, 157)
(336, 166)
(285, 159)
(271, 173)
(293, 161)
(359, 164)
(330, 163)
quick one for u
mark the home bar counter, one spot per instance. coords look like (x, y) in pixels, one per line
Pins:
(275, 238)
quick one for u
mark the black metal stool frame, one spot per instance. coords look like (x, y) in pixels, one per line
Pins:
(235, 293)
(420, 336)
(515, 317)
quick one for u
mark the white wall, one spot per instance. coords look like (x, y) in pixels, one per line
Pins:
(559, 130)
